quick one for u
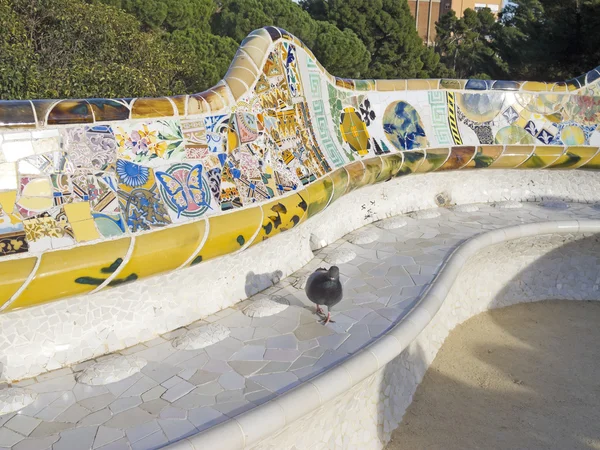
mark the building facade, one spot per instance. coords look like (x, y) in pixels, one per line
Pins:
(428, 12)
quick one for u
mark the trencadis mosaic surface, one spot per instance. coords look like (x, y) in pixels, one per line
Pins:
(95, 193)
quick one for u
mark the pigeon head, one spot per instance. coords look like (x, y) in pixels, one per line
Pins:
(334, 272)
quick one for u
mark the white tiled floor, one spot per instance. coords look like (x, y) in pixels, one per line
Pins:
(181, 392)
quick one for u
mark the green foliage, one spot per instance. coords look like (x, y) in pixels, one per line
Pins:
(341, 52)
(387, 29)
(16, 54)
(131, 48)
(550, 39)
(466, 45)
(237, 18)
(168, 14)
(204, 57)
(67, 48)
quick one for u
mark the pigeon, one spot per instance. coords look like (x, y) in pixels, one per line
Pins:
(323, 287)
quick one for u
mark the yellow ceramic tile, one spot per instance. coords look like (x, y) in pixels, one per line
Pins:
(512, 156)
(7, 201)
(574, 157)
(197, 104)
(356, 172)
(38, 187)
(459, 158)
(152, 107)
(447, 83)
(418, 85)
(216, 98)
(391, 165)
(36, 203)
(13, 274)
(180, 101)
(559, 87)
(237, 87)
(390, 85)
(372, 170)
(229, 232)
(434, 158)
(412, 160)
(282, 215)
(74, 271)
(85, 230)
(164, 250)
(534, 86)
(259, 39)
(319, 193)
(543, 156)
(243, 70)
(256, 49)
(77, 212)
(233, 141)
(340, 183)
(486, 155)
(594, 163)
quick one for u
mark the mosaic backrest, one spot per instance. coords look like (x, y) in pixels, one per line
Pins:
(99, 192)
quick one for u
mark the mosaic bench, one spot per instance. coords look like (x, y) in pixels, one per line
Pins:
(281, 380)
(99, 196)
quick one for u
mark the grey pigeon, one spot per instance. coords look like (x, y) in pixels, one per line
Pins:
(323, 287)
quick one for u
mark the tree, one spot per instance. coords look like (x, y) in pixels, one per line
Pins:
(466, 44)
(341, 52)
(75, 49)
(168, 14)
(204, 57)
(16, 55)
(387, 29)
(549, 40)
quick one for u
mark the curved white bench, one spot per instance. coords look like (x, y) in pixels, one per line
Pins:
(360, 401)
(346, 385)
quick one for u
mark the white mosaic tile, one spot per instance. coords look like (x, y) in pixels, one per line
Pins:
(263, 357)
(508, 205)
(265, 307)
(425, 214)
(554, 204)
(392, 223)
(15, 398)
(201, 337)
(465, 208)
(363, 237)
(111, 370)
(340, 256)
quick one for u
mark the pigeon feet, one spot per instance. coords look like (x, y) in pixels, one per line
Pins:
(320, 312)
(327, 319)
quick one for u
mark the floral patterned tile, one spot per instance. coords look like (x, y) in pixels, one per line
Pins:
(150, 142)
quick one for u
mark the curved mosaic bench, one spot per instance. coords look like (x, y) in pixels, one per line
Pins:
(98, 193)
(304, 385)
(155, 185)
(360, 401)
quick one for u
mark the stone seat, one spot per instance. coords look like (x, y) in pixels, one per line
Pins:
(281, 371)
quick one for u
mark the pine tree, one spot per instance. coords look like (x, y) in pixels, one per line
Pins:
(466, 44)
(387, 29)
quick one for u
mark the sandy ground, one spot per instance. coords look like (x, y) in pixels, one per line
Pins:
(522, 377)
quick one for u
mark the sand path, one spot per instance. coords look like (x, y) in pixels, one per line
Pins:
(522, 377)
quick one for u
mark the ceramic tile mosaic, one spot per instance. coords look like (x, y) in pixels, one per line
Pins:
(278, 137)
(178, 390)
